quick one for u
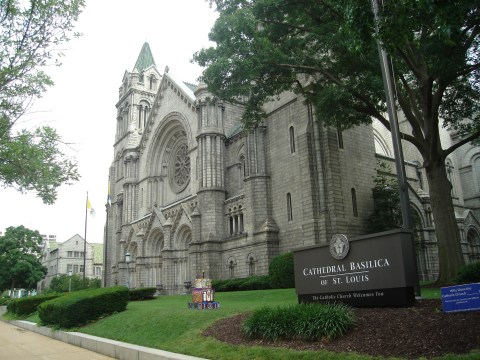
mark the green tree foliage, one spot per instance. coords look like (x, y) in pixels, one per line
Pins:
(386, 214)
(62, 283)
(20, 266)
(31, 34)
(327, 51)
(281, 271)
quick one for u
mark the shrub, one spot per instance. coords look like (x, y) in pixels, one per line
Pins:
(281, 271)
(141, 294)
(469, 273)
(28, 305)
(63, 283)
(79, 307)
(256, 283)
(240, 284)
(4, 301)
(307, 321)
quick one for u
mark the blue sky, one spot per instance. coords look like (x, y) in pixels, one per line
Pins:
(81, 104)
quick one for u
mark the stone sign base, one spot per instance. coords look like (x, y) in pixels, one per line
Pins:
(365, 298)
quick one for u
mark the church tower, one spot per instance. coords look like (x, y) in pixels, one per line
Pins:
(136, 95)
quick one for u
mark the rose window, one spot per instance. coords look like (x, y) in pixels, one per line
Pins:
(180, 168)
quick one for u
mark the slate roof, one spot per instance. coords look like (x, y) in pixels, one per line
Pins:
(145, 58)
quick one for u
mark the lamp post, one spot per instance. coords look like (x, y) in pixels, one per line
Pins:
(127, 261)
(70, 281)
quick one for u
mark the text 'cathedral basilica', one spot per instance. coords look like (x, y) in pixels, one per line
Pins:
(194, 193)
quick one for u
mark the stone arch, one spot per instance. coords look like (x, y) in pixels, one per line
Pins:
(231, 266)
(381, 146)
(251, 264)
(154, 258)
(473, 240)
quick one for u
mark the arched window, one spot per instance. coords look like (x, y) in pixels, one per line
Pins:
(243, 174)
(231, 268)
(292, 140)
(340, 138)
(354, 203)
(289, 207)
(143, 110)
(473, 240)
(251, 266)
(450, 175)
(152, 82)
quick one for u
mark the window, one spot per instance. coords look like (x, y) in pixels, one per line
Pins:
(231, 269)
(69, 268)
(418, 174)
(98, 271)
(69, 253)
(82, 269)
(354, 203)
(251, 266)
(292, 140)
(289, 207)
(340, 138)
(75, 269)
(235, 220)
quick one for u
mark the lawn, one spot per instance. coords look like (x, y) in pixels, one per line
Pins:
(166, 323)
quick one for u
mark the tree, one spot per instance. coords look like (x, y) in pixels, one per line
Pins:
(20, 265)
(31, 33)
(63, 283)
(327, 51)
(386, 214)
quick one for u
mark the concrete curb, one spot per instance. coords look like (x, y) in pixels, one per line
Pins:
(115, 349)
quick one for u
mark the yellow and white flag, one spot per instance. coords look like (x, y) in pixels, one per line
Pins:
(90, 208)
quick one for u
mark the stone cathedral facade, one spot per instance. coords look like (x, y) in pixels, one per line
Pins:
(193, 193)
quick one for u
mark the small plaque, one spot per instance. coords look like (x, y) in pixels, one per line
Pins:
(461, 298)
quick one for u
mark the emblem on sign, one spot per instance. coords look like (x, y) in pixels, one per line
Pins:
(339, 246)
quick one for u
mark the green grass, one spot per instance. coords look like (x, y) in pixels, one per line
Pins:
(166, 323)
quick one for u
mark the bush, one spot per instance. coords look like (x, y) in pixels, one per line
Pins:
(4, 301)
(307, 321)
(141, 294)
(468, 274)
(281, 271)
(28, 305)
(63, 283)
(241, 284)
(79, 307)
(256, 283)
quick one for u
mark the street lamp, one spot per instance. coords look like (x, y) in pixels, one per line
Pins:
(127, 261)
(70, 280)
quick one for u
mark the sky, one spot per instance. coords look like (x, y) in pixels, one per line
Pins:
(81, 104)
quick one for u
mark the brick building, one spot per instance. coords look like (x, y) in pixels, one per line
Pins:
(192, 192)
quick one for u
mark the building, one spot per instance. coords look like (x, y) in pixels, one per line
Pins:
(192, 192)
(61, 258)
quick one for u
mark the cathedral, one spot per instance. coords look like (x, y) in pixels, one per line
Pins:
(192, 193)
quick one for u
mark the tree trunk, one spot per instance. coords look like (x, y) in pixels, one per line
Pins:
(446, 227)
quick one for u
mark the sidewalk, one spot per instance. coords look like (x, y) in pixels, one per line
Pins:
(20, 344)
(24, 340)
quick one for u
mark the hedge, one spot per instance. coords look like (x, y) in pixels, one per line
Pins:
(240, 284)
(281, 271)
(28, 305)
(80, 307)
(141, 294)
(468, 274)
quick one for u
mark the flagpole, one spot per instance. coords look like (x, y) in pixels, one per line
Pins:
(85, 242)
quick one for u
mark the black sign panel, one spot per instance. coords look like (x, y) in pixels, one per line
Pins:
(376, 271)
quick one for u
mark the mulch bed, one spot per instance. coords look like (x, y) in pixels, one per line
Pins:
(422, 330)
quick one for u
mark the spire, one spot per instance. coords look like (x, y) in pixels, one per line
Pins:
(145, 58)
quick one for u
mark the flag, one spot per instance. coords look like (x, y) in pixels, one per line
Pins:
(90, 208)
(109, 198)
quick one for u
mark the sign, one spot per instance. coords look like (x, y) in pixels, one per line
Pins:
(372, 270)
(461, 297)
